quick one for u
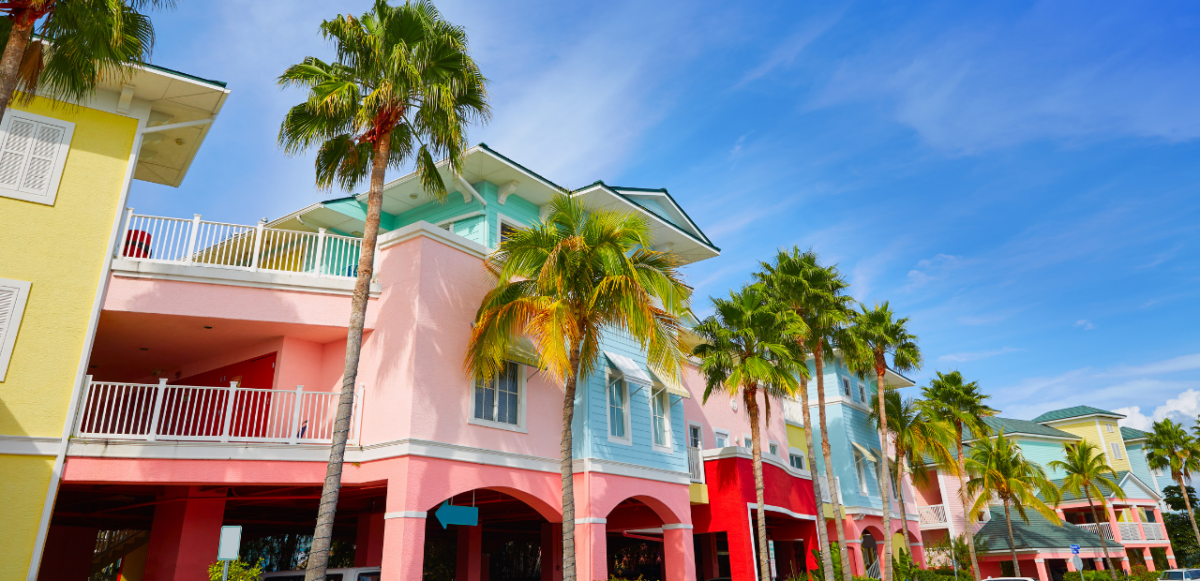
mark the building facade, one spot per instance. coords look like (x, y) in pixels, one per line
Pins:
(65, 171)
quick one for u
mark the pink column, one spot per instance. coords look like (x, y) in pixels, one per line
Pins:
(470, 553)
(185, 534)
(1099, 564)
(677, 552)
(1149, 558)
(591, 550)
(1170, 555)
(403, 546)
(1112, 522)
(368, 545)
(551, 552)
(1043, 574)
(1070, 565)
(68, 553)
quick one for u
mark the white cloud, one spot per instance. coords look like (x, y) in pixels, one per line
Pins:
(1182, 408)
(1134, 418)
(1086, 324)
(789, 49)
(931, 269)
(1172, 365)
(975, 355)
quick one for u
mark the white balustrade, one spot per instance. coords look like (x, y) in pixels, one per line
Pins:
(695, 464)
(1129, 531)
(132, 411)
(1154, 531)
(792, 411)
(234, 246)
(934, 514)
(1104, 529)
(873, 570)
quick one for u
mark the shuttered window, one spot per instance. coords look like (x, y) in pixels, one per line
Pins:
(1116, 448)
(499, 400)
(33, 150)
(13, 294)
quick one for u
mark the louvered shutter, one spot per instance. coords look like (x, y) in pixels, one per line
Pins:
(33, 150)
(13, 294)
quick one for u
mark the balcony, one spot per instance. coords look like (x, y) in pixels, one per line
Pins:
(156, 412)
(695, 465)
(933, 515)
(1154, 531)
(792, 412)
(1103, 529)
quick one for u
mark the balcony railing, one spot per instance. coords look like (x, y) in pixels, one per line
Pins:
(149, 412)
(1103, 529)
(197, 242)
(934, 514)
(695, 464)
(1129, 531)
(825, 495)
(1154, 531)
(792, 411)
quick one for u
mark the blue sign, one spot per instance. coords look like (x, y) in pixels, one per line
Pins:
(449, 514)
(1074, 549)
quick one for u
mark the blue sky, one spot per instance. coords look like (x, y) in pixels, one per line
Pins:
(1019, 179)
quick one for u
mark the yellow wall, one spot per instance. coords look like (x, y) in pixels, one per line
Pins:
(1086, 428)
(60, 249)
(798, 439)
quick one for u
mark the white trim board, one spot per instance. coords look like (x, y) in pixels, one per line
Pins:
(29, 446)
(126, 268)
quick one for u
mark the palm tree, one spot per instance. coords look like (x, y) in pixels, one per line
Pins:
(77, 44)
(1000, 471)
(874, 334)
(915, 436)
(1170, 447)
(748, 346)
(961, 405)
(562, 284)
(798, 281)
(403, 88)
(1086, 471)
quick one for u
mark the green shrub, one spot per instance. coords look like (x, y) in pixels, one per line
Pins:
(1141, 573)
(238, 571)
(1088, 576)
(857, 578)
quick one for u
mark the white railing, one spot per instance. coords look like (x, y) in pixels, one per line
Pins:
(1129, 531)
(1103, 529)
(825, 494)
(1154, 531)
(873, 570)
(134, 411)
(934, 514)
(792, 411)
(233, 246)
(695, 464)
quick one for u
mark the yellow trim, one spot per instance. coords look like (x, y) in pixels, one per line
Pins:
(698, 493)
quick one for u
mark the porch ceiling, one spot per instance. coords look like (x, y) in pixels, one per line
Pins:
(131, 346)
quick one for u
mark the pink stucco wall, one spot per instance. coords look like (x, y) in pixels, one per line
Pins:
(718, 414)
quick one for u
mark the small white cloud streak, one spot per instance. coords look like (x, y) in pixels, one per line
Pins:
(975, 355)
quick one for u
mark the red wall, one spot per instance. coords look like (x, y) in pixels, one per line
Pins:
(257, 373)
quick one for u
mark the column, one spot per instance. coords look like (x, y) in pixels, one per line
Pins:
(368, 545)
(1070, 565)
(552, 552)
(185, 533)
(1099, 564)
(1112, 522)
(470, 553)
(677, 552)
(709, 568)
(1170, 553)
(403, 545)
(1137, 518)
(1042, 573)
(591, 549)
(1149, 558)
(68, 553)
(1125, 564)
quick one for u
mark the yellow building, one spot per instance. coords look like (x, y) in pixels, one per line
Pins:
(1093, 425)
(65, 172)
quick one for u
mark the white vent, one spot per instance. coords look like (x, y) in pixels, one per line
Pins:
(33, 151)
(13, 294)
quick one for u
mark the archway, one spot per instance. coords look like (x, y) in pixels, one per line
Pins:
(870, 555)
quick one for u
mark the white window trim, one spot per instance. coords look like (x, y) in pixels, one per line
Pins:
(860, 470)
(60, 159)
(748, 441)
(846, 388)
(608, 382)
(776, 452)
(501, 220)
(668, 447)
(9, 337)
(794, 451)
(700, 429)
(718, 433)
(442, 223)
(862, 391)
(1116, 449)
(520, 426)
(1109, 428)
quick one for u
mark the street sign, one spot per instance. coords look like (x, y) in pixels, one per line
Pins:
(1074, 549)
(449, 514)
(231, 540)
(1075, 560)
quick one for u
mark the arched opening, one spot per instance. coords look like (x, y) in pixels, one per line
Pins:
(634, 537)
(491, 534)
(870, 554)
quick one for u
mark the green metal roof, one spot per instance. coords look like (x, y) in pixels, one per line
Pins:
(1106, 491)
(1038, 533)
(1128, 434)
(1017, 427)
(1073, 412)
(185, 75)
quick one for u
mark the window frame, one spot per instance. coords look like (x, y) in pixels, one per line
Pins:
(8, 340)
(611, 379)
(60, 159)
(655, 391)
(450, 221)
(699, 431)
(1116, 450)
(718, 434)
(794, 452)
(748, 441)
(860, 470)
(501, 220)
(522, 391)
(1109, 428)
(846, 391)
(862, 392)
(773, 448)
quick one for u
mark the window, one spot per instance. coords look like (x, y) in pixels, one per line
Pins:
(862, 392)
(660, 417)
(721, 438)
(860, 469)
(773, 448)
(33, 150)
(499, 400)
(506, 230)
(618, 409)
(846, 387)
(1116, 450)
(695, 437)
(796, 460)
(748, 442)
(1108, 428)
(13, 294)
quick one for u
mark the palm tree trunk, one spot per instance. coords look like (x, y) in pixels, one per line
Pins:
(1012, 542)
(10, 63)
(764, 562)
(1188, 503)
(834, 493)
(903, 507)
(1103, 542)
(885, 483)
(567, 468)
(822, 528)
(318, 557)
(962, 497)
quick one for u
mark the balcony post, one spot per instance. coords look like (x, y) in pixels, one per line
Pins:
(159, 394)
(1114, 525)
(191, 247)
(229, 397)
(320, 252)
(87, 389)
(258, 236)
(356, 415)
(125, 232)
(296, 415)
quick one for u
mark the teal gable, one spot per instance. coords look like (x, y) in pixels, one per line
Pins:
(1042, 453)
(1139, 466)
